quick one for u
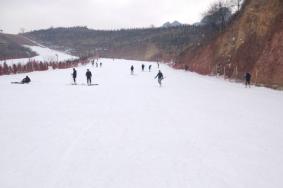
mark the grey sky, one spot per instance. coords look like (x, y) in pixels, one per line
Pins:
(97, 14)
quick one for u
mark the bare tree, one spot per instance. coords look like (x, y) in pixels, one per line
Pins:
(217, 14)
(236, 3)
(22, 30)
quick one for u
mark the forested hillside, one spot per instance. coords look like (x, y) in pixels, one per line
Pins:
(140, 44)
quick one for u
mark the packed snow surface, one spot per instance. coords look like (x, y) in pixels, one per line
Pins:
(44, 55)
(127, 132)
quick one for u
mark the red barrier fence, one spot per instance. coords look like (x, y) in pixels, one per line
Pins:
(39, 66)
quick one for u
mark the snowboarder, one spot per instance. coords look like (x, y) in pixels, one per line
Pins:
(142, 67)
(160, 77)
(74, 74)
(26, 80)
(149, 68)
(88, 77)
(248, 77)
(132, 70)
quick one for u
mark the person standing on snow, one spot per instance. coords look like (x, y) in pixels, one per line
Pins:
(88, 77)
(74, 75)
(160, 77)
(142, 67)
(132, 70)
(248, 78)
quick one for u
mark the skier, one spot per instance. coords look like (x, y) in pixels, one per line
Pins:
(132, 70)
(88, 77)
(92, 62)
(186, 67)
(100, 64)
(74, 74)
(96, 64)
(157, 65)
(26, 80)
(248, 77)
(142, 67)
(149, 68)
(160, 77)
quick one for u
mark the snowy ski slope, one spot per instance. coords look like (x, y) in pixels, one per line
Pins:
(44, 54)
(195, 131)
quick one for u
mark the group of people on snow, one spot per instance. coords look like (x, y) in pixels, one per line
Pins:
(96, 63)
(149, 67)
(159, 74)
(88, 76)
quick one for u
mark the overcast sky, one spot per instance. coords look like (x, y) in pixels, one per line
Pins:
(97, 14)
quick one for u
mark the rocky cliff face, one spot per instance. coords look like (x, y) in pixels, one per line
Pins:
(253, 42)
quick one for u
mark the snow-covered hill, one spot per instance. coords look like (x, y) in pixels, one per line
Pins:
(195, 131)
(44, 54)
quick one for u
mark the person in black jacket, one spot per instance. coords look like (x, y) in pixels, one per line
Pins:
(142, 67)
(248, 78)
(132, 69)
(26, 80)
(74, 74)
(160, 77)
(88, 77)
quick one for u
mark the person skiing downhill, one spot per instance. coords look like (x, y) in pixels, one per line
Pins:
(160, 77)
(142, 67)
(149, 68)
(132, 70)
(248, 77)
(74, 74)
(88, 77)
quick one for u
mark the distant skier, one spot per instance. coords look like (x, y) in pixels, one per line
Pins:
(186, 67)
(248, 78)
(132, 70)
(88, 77)
(26, 80)
(96, 64)
(74, 74)
(92, 62)
(100, 64)
(157, 65)
(142, 67)
(149, 68)
(160, 77)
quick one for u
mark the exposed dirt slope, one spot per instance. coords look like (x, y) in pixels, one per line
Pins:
(253, 42)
